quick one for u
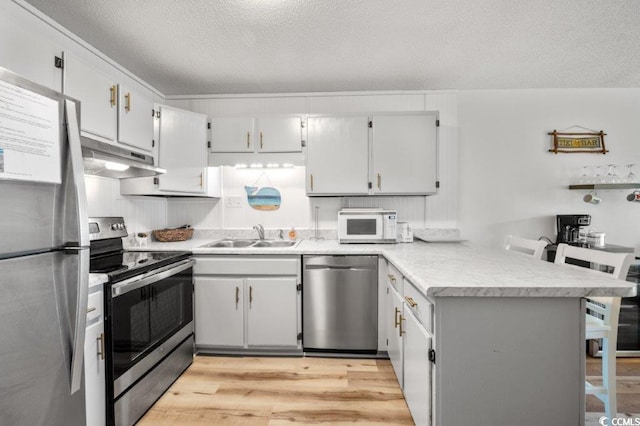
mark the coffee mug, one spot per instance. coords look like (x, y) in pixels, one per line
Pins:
(592, 198)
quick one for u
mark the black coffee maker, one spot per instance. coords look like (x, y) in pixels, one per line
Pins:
(568, 226)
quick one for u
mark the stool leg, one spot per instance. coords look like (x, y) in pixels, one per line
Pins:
(609, 377)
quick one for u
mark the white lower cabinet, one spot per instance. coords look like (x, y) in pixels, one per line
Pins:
(219, 308)
(410, 343)
(273, 312)
(394, 339)
(417, 368)
(248, 303)
(94, 363)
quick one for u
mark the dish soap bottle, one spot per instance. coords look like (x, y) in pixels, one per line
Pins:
(293, 234)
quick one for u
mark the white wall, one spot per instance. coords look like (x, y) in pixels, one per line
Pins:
(510, 184)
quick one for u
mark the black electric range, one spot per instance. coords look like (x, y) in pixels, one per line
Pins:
(148, 306)
(109, 257)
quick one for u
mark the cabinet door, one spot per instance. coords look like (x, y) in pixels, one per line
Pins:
(135, 120)
(337, 155)
(279, 134)
(404, 154)
(231, 134)
(394, 346)
(25, 51)
(272, 317)
(97, 95)
(94, 363)
(219, 312)
(417, 369)
(183, 150)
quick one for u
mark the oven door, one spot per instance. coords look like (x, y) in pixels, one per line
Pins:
(145, 312)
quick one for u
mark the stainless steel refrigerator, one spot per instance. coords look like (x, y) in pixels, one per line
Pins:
(44, 256)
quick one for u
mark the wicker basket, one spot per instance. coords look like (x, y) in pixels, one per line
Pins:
(171, 235)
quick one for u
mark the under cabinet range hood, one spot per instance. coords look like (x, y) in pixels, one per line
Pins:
(102, 159)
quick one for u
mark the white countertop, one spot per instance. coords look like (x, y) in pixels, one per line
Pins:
(448, 269)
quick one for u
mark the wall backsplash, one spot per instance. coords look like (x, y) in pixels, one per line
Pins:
(140, 213)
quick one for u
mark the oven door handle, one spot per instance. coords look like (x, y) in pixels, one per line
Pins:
(149, 278)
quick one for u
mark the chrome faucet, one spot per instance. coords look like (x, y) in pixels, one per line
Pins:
(260, 230)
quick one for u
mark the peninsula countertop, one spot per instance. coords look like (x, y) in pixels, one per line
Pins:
(447, 269)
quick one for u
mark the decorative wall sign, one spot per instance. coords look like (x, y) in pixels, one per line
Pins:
(263, 198)
(574, 142)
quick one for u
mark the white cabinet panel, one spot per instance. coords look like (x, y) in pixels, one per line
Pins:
(273, 312)
(404, 153)
(135, 119)
(94, 363)
(97, 94)
(279, 134)
(231, 134)
(417, 369)
(26, 52)
(337, 155)
(183, 150)
(219, 313)
(394, 349)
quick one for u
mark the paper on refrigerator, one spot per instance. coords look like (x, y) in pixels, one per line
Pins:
(29, 135)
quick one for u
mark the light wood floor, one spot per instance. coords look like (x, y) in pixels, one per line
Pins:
(628, 384)
(277, 391)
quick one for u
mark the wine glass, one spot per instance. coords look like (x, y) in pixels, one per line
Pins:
(611, 176)
(598, 178)
(586, 177)
(630, 177)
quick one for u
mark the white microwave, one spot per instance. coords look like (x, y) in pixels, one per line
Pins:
(367, 226)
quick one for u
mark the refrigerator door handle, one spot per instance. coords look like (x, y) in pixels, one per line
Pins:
(77, 346)
(77, 164)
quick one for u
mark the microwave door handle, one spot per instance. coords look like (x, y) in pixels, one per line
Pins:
(77, 165)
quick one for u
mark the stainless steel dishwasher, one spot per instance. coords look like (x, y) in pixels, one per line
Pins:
(340, 304)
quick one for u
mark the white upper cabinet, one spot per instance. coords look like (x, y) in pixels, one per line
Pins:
(24, 53)
(390, 153)
(98, 98)
(279, 134)
(183, 150)
(404, 151)
(110, 112)
(276, 133)
(337, 155)
(135, 118)
(232, 134)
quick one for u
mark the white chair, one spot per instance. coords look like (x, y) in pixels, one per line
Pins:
(602, 316)
(523, 245)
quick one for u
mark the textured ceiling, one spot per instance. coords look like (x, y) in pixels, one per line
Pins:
(257, 46)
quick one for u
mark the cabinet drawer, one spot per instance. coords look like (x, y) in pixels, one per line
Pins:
(247, 265)
(419, 305)
(94, 308)
(394, 277)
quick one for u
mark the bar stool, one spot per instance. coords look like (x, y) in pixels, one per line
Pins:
(526, 246)
(602, 317)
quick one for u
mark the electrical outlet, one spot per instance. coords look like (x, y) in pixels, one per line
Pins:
(233, 201)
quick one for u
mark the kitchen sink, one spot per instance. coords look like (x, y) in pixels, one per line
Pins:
(274, 244)
(230, 243)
